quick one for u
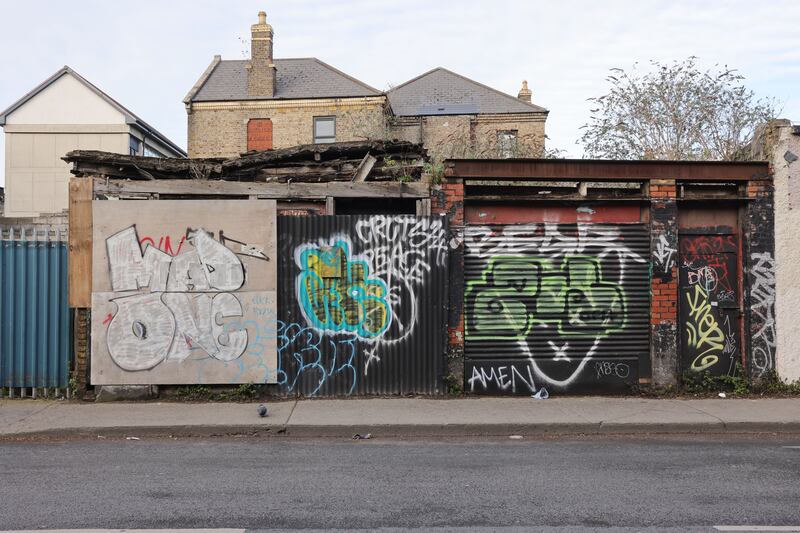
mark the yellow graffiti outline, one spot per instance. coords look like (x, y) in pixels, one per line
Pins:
(705, 327)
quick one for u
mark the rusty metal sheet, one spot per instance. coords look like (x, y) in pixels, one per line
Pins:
(486, 213)
(606, 170)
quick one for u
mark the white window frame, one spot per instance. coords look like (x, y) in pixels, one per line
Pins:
(327, 139)
(507, 143)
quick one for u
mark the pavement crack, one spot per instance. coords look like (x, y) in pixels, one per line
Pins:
(289, 418)
(721, 421)
(29, 415)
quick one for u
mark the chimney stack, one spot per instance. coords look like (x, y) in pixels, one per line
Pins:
(261, 68)
(525, 94)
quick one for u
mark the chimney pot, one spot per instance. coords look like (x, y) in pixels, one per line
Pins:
(525, 94)
(261, 68)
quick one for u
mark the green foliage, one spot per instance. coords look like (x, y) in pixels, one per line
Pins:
(398, 169)
(193, 393)
(245, 391)
(202, 393)
(704, 382)
(772, 384)
(436, 171)
(452, 385)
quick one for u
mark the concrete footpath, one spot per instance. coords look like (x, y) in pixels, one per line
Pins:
(401, 417)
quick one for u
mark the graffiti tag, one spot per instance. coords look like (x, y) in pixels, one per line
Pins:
(337, 294)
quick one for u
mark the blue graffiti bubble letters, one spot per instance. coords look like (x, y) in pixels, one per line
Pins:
(336, 294)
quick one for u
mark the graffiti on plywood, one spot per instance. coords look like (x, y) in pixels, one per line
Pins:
(173, 314)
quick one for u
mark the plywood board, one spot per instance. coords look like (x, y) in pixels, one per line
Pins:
(183, 292)
(80, 242)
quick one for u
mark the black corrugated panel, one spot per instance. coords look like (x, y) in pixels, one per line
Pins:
(561, 306)
(361, 304)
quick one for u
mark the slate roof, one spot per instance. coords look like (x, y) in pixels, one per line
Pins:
(130, 116)
(443, 92)
(296, 78)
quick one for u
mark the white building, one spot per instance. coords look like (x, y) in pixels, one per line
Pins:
(779, 142)
(64, 113)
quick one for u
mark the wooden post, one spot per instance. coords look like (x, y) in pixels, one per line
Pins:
(424, 207)
(330, 205)
(80, 242)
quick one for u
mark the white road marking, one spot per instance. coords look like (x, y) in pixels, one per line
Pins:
(125, 531)
(791, 447)
(757, 528)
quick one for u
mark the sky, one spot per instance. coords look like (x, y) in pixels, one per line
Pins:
(148, 54)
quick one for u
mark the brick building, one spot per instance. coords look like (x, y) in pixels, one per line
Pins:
(265, 103)
(454, 116)
(509, 276)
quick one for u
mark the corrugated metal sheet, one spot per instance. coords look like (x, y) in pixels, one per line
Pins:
(362, 304)
(564, 306)
(35, 336)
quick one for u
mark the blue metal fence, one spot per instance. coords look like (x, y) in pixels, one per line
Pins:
(35, 319)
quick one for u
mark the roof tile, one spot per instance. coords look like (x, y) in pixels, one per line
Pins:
(296, 78)
(442, 92)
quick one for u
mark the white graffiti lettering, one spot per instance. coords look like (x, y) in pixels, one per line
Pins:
(554, 244)
(664, 254)
(174, 320)
(762, 296)
(504, 378)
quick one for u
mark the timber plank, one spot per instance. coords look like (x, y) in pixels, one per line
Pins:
(278, 191)
(80, 243)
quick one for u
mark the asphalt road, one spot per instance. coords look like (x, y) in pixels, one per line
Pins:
(509, 485)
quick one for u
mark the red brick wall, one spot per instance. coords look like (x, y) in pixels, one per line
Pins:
(448, 200)
(663, 189)
(663, 285)
(759, 189)
(663, 304)
(259, 134)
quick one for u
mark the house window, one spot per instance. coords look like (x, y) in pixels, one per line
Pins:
(507, 143)
(324, 130)
(149, 152)
(259, 134)
(134, 145)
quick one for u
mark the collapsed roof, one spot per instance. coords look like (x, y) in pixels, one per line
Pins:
(347, 161)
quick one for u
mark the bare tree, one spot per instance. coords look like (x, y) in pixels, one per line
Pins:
(674, 111)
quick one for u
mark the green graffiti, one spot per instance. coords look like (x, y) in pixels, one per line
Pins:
(515, 294)
(336, 294)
